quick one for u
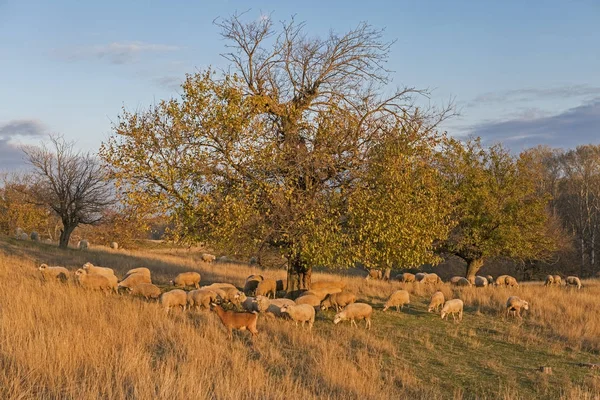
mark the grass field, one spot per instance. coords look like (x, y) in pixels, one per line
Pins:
(58, 341)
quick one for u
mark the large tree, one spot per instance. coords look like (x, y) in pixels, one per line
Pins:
(266, 156)
(498, 208)
(71, 183)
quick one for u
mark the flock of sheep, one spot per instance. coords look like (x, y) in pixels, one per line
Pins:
(259, 295)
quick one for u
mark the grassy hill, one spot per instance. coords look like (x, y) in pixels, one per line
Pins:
(59, 341)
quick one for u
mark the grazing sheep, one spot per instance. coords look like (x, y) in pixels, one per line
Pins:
(397, 299)
(481, 281)
(557, 280)
(35, 236)
(454, 306)
(335, 286)
(374, 274)
(338, 300)
(83, 244)
(501, 280)
(236, 320)
(145, 290)
(266, 287)
(140, 270)
(437, 301)
(222, 286)
(201, 297)
(459, 281)
(258, 303)
(514, 305)
(406, 277)
(321, 292)
(48, 273)
(134, 280)
(276, 304)
(94, 281)
(353, 312)
(300, 313)
(187, 279)
(174, 298)
(386, 274)
(309, 299)
(208, 258)
(573, 281)
(419, 276)
(92, 269)
(251, 283)
(114, 245)
(431, 279)
(226, 293)
(19, 233)
(511, 281)
(24, 236)
(490, 279)
(549, 280)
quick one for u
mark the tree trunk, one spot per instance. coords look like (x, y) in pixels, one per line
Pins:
(299, 275)
(473, 266)
(65, 236)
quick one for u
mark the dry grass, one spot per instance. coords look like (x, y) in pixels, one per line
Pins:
(58, 341)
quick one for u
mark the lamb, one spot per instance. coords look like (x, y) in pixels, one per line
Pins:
(459, 281)
(549, 280)
(419, 276)
(83, 244)
(406, 277)
(35, 236)
(338, 300)
(374, 274)
(573, 281)
(557, 280)
(397, 299)
(251, 283)
(60, 273)
(94, 281)
(134, 280)
(114, 245)
(267, 287)
(140, 270)
(201, 297)
(309, 299)
(208, 258)
(454, 306)
(481, 281)
(236, 320)
(187, 279)
(174, 298)
(353, 312)
(514, 305)
(145, 290)
(300, 313)
(437, 301)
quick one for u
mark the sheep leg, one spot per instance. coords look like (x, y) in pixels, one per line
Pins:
(368, 323)
(353, 323)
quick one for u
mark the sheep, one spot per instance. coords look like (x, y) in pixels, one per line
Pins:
(24, 236)
(145, 290)
(19, 233)
(208, 258)
(511, 281)
(353, 312)
(437, 301)
(310, 299)
(335, 286)
(140, 270)
(276, 304)
(454, 306)
(490, 279)
(338, 300)
(94, 281)
(114, 245)
(187, 279)
(386, 274)
(419, 276)
(201, 297)
(251, 283)
(226, 294)
(557, 280)
(549, 280)
(83, 244)
(573, 281)
(281, 285)
(397, 299)
(514, 305)
(258, 303)
(35, 236)
(222, 286)
(60, 273)
(321, 292)
(173, 298)
(501, 280)
(266, 287)
(406, 277)
(93, 269)
(134, 279)
(300, 313)
(236, 320)
(459, 281)
(431, 279)
(374, 274)
(481, 281)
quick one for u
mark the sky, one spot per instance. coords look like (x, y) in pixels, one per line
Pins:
(520, 72)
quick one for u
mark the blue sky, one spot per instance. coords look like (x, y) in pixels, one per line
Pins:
(521, 72)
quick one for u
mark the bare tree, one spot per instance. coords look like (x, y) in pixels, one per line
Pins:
(71, 183)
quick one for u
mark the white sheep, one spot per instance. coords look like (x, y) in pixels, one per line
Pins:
(94, 281)
(187, 279)
(309, 299)
(114, 245)
(140, 270)
(338, 300)
(146, 290)
(481, 281)
(419, 276)
(490, 279)
(406, 277)
(557, 280)
(174, 298)
(201, 297)
(431, 279)
(60, 273)
(549, 280)
(459, 281)
(208, 258)
(276, 304)
(83, 244)
(332, 286)
(19, 233)
(397, 299)
(437, 301)
(135, 279)
(257, 304)
(24, 236)
(374, 274)
(454, 306)
(93, 269)
(514, 305)
(573, 281)
(353, 312)
(300, 313)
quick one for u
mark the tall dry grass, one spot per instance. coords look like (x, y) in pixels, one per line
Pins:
(59, 341)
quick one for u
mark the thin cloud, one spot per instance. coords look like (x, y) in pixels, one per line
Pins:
(114, 53)
(578, 125)
(530, 94)
(11, 156)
